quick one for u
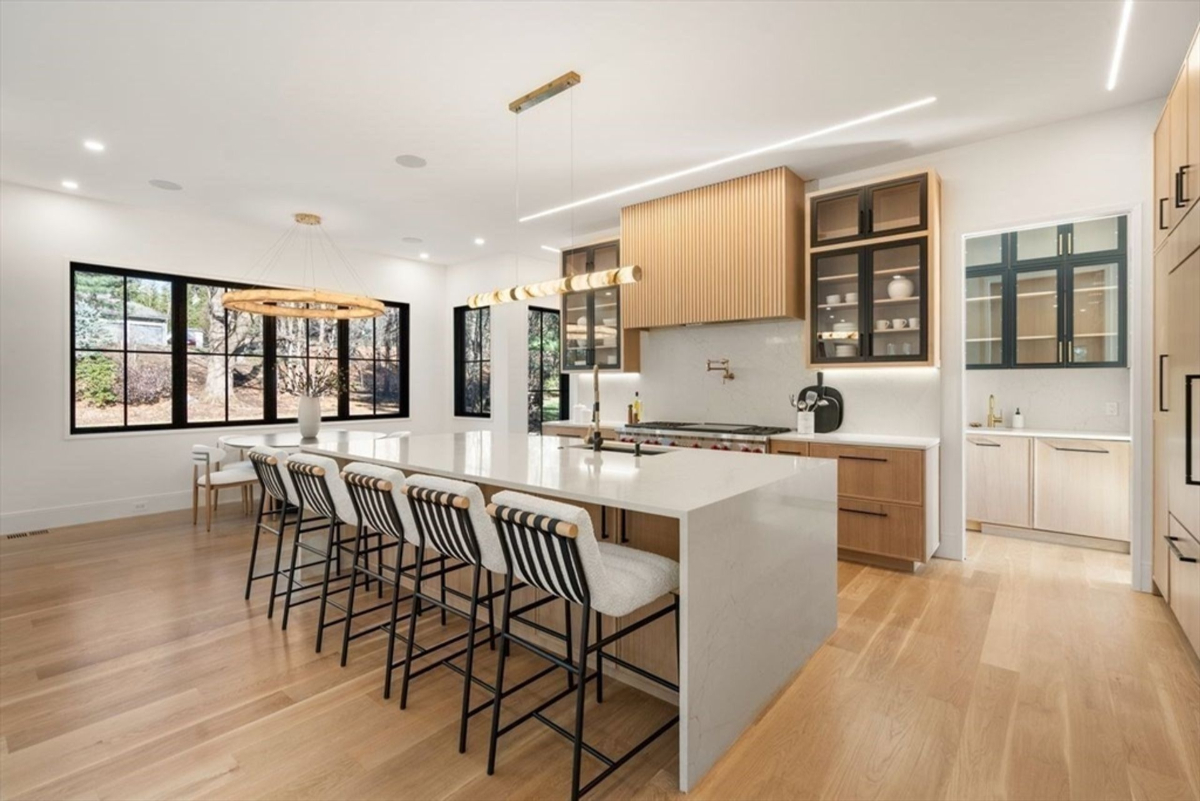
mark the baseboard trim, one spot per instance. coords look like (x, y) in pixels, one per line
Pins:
(1057, 538)
(875, 560)
(99, 511)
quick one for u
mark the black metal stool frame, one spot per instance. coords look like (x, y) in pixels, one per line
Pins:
(548, 557)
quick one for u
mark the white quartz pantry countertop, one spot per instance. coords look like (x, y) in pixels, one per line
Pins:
(877, 440)
(1042, 433)
(672, 483)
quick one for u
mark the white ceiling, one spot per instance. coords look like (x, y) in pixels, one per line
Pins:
(263, 109)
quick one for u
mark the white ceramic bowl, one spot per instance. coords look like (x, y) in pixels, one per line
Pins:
(833, 299)
(852, 297)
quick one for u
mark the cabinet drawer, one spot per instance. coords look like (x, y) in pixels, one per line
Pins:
(1185, 582)
(884, 474)
(886, 529)
(791, 448)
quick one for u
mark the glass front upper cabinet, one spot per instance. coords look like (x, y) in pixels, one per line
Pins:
(882, 209)
(897, 281)
(591, 320)
(836, 309)
(1051, 296)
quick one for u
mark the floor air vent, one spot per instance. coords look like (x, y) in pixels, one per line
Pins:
(29, 533)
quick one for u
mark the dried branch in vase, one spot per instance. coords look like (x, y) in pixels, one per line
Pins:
(314, 378)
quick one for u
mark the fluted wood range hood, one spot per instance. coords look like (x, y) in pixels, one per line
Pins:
(725, 252)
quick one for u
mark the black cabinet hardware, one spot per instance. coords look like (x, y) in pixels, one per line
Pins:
(862, 512)
(1162, 371)
(1178, 553)
(1183, 201)
(983, 443)
(1078, 450)
(1189, 435)
(1162, 224)
(864, 458)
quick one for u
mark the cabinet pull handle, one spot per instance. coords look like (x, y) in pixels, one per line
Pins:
(1162, 371)
(1189, 434)
(865, 458)
(862, 512)
(1060, 358)
(1071, 351)
(1183, 201)
(1162, 226)
(1178, 553)
(1078, 450)
(1060, 244)
(1070, 242)
(984, 443)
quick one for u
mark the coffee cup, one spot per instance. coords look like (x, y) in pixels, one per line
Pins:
(833, 299)
(900, 322)
(882, 325)
(852, 297)
(914, 322)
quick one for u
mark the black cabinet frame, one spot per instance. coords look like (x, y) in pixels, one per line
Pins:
(866, 212)
(590, 295)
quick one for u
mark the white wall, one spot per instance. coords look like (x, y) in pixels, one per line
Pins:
(1060, 400)
(510, 330)
(1096, 164)
(48, 478)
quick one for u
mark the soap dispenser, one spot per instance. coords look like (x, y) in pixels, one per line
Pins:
(1018, 419)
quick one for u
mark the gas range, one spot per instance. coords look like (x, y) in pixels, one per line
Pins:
(715, 436)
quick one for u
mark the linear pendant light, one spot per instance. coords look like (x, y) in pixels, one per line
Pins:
(559, 286)
(708, 165)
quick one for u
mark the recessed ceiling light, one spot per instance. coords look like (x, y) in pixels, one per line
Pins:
(552, 250)
(708, 165)
(1126, 11)
(94, 146)
(479, 240)
(170, 186)
(412, 240)
(70, 185)
(411, 161)
(424, 255)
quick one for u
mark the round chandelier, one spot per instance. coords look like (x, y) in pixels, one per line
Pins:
(311, 303)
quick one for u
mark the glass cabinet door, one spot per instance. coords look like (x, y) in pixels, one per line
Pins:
(984, 251)
(1094, 236)
(897, 279)
(1037, 318)
(985, 321)
(836, 218)
(835, 294)
(896, 207)
(1095, 336)
(575, 263)
(576, 335)
(1038, 243)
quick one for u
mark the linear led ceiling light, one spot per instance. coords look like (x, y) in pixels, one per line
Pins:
(1119, 48)
(841, 126)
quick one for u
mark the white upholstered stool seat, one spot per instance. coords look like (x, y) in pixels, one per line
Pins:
(635, 577)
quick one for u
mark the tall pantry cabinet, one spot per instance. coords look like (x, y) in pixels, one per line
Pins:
(1176, 551)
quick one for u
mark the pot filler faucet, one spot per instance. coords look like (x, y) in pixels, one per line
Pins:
(723, 365)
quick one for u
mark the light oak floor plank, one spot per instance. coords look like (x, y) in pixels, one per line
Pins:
(131, 668)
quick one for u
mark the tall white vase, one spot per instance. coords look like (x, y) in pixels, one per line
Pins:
(310, 416)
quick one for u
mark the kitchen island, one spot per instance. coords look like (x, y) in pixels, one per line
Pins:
(756, 538)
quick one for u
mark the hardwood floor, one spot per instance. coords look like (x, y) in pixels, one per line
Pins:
(130, 667)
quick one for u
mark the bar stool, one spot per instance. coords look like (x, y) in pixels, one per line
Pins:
(267, 466)
(320, 490)
(376, 494)
(552, 546)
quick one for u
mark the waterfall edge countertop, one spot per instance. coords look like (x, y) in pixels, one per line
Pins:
(1041, 433)
(757, 542)
(668, 482)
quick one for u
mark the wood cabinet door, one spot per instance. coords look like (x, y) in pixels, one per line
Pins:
(1163, 188)
(1081, 486)
(1183, 393)
(1192, 182)
(790, 448)
(998, 480)
(1161, 553)
(884, 474)
(887, 529)
(1177, 101)
(1185, 585)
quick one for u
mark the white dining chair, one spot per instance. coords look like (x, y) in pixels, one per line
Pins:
(223, 444)
(208, 473)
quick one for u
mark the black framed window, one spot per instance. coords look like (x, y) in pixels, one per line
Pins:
(548, 387)
(472, 362)
(156, 351)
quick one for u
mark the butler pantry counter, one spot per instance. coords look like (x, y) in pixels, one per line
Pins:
(756, 540)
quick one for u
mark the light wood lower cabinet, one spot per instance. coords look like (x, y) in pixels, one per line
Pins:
(789, 448)
(885, 507)
(999, 480)
(1081, 486)
(1184, 561)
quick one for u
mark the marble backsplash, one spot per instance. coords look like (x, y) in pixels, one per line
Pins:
(767, 360)
(1066, 400)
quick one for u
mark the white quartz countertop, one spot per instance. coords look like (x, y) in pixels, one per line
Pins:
(581, 426)
(672, 483)
(1107, 436)
(878, 440)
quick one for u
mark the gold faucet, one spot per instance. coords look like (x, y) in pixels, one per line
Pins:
(993, 419)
